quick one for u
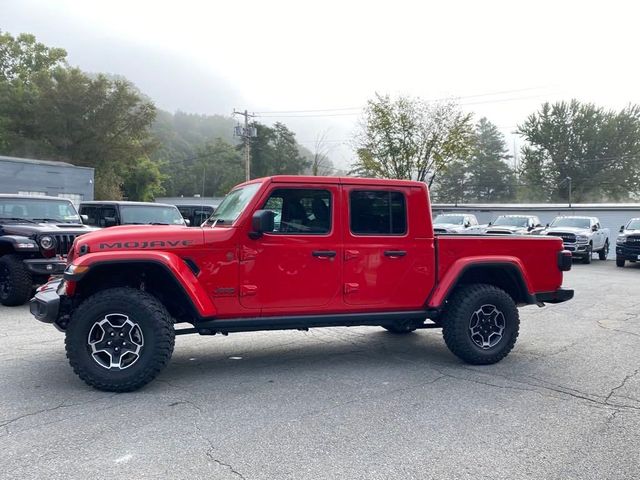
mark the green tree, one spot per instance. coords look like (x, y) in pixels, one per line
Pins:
(274, 151)
(490, 178)
(219, 168)
(598, 148)
(409, 138)
(49, 110)
(143, 181)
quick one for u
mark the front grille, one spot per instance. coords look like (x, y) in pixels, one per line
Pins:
(499, 232)
(633, 240)
(63, 242)
(566, 237)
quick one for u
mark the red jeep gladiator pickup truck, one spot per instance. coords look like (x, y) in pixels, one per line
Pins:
(291, 252)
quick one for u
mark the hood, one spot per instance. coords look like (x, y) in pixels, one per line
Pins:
(630, 232)
(141, 237)
(576, 230)
(31, 229)
(448, 226)
(506, 228)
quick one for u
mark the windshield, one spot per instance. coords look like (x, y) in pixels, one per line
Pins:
(143, 214)
(512, 221)
(39, 210)
(449, 219)
(233, 204)
(571, 222)
(634, 224)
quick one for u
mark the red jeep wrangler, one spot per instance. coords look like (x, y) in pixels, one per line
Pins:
(291, 252)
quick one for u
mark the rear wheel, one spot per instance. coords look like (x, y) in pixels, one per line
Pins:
(16, 283)
(619, 262)
(602, 254)
(119, 339)
(481, 324)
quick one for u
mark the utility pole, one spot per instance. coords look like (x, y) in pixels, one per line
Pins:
(568, 180)
(247, 134)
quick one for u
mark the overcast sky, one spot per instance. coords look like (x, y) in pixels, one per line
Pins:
(501, 58)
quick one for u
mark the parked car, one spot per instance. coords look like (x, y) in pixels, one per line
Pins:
(112, 213)
(582, 236)
(346, 252)
(453, 222)
(35, 234)
(196, 214)
(628, 243)
(514, 225)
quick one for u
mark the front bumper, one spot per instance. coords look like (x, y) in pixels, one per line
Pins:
(46, 266)
(628, 253)
(45, 306)
(577, 249)
(557, 296)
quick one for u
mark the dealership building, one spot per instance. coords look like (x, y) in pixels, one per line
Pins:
(27, 176)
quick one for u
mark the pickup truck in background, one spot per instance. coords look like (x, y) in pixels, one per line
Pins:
(454, 222)
(514, 225)
(628, 243)
(582, 236)
(344, 252)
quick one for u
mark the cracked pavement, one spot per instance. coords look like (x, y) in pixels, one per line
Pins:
(343, 402)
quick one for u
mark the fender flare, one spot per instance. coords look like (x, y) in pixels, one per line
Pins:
(175, 266)
(19, 243)
(456, 271)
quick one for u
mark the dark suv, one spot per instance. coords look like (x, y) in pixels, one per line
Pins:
(112, 213)
(196, 214)
(35, 234)
(628, 243)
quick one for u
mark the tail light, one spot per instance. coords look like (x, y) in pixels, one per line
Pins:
(564, 260)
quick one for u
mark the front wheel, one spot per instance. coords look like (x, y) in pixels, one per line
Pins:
(602, 254)
(15, 281)
(119, 339)
(481, 324)
(620, 262)
(588, 254)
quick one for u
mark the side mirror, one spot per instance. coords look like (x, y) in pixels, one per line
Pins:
(467, 224)
(110, 221)
(187, 222)
(490, 223)
(621, 228)
(594, 228)
(547, 225)
(262, 221)
(84, 219)
(529, 228)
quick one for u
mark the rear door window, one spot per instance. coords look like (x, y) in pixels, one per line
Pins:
(377, 212)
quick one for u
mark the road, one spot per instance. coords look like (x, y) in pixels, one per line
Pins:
(347, 403)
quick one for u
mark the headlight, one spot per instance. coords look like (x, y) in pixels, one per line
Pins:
(581, 238)
(47, 242)
(621, 239)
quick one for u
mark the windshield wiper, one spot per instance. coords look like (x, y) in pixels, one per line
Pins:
(157, 223)
(17, 219)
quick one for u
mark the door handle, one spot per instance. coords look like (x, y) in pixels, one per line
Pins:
(395, 253)
(324, 253)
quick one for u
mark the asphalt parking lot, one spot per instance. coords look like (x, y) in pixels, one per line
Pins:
(343, 402)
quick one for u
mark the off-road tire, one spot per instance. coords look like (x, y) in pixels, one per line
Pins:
(20, 283)
(461, 306)
(588, 254)
(620, 262)
(602, 254)
(154, 321)
(400, 328)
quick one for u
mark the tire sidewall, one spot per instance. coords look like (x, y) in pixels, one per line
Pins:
(83, 321)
